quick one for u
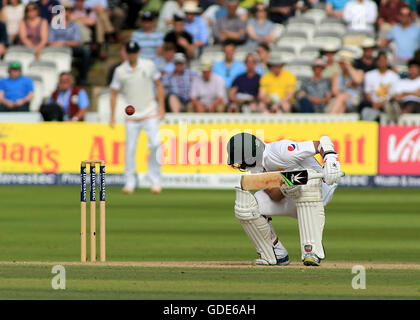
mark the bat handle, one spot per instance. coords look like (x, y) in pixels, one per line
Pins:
(320, 175)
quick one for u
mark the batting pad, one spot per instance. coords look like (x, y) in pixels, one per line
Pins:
(256, 227)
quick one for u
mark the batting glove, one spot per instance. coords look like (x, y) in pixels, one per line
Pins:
(332, 169)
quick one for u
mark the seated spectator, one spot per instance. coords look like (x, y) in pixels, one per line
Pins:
(117, 16)
(377, 88)
(149, 40)
(70, 98)
(12, 15)
(315, 93)
(195, 25)
(33, 30)
(181, 39)
(45, 8)
(208, 92)
(405, 35)
(259, 29)
(245, 87)
(360, 15)
(229, 68)
(70, 37)
(346, 85)
(222, 11)
(406, 93)
(218, 10)
(85, 19)
(263, 53)
(16, 91)
(367, 61)
(389, 14)
(170, 9)
(231, 27)
(277, 87)
(4, 39)
(165, 63)
(281, 10)
(331, 66)
(178, 86)
(334, 8)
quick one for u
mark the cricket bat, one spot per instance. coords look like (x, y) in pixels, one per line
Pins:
(278, 178)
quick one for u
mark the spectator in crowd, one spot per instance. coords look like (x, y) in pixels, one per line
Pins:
(406, 93)
(377, 88)
(117, 16)
(334, 8)
(72, 99)
(85, 19)
(165, 63)
(405, 35)
(277, 87)
(332, 68)
(231, 27)
(259, 29)
(367, 61)
(178, 86)
(33, 30)
(315, 93)
(12, 15)
(208, 92)
(281, 10)
(245, 87)
(346, 85)
(389, 14)
(263, 53)
(195, 25)
(218, 10)
(149, 40)
(360, 15)
(169, 10)
(134, 7)
(16, 91)
(181, 39)
(69, 36)
(46, 8)
(4, 39)
(229, 68)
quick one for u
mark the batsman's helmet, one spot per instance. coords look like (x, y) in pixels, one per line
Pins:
(245, 151)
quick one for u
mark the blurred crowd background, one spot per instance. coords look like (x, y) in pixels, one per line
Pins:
(273, 56)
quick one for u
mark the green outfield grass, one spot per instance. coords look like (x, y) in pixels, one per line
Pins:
(378, 226)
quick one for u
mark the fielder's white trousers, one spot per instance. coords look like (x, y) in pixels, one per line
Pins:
(286, 206)
(132, 133)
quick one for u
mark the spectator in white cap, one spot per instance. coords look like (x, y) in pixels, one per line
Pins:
(367, 61)
(208, 93)
(195, 25)
(332, 68)
(315, 93)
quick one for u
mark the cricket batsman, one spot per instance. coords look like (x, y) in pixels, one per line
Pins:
(306, 202)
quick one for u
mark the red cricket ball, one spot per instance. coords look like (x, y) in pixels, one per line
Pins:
(130, 110)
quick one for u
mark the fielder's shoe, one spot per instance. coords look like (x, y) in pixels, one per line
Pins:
(156, 189)
(128, 190)
(311, 259)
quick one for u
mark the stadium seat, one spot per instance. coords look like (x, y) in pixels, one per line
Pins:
(38, 93)
(309, 52)
(299, 69)
(288, 53)
(301, 24)
(212, 56)
(48, 72)
(4, 67)
(401, 67)
(279, 30)
(332, 25)
(322, 38)
(22, 54)
(317, 14)
(295, 39)
(357, 51)
(104, 109)
(60, 55)
(355, 38)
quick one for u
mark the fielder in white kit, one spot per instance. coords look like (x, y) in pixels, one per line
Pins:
(136, 80)
(306, 202)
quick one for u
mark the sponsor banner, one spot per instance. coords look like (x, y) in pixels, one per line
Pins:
(197, 181)
(399, 150)
(194, 148)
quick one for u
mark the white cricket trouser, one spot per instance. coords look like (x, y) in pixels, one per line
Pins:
(132, 131)
(286, 206)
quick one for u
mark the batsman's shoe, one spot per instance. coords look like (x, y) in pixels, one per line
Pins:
(128, 190)
(311, 260)
(156, 189)
(284, 261)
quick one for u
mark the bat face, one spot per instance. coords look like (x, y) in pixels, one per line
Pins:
(274, 179)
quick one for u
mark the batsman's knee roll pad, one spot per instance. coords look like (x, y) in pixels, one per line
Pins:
(311, 192)
(256, 227)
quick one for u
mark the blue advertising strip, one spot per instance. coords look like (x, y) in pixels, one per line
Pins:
(92, 182)
(102, 183)
(83, 184)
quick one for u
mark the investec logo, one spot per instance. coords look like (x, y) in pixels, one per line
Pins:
(407, 149)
